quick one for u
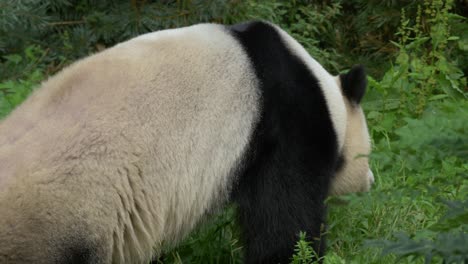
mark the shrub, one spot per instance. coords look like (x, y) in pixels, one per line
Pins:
(28, 70)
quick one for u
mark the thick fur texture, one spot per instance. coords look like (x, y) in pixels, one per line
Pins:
(354, 174)
(298, 145)
(124, 152)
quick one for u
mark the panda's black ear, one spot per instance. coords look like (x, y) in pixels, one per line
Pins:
(354, 83)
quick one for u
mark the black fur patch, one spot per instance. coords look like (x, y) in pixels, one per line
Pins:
(293, 153)
(79, 256)
(77, 252)
(354, 84)
(340, 163)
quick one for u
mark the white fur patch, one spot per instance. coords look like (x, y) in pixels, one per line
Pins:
(355, 176)
(151, 128)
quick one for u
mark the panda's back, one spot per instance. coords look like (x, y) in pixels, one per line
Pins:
(131, 147)
(182, 84)
(168, 110)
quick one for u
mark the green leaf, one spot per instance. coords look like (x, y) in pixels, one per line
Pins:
(15, 58)
(438, 97)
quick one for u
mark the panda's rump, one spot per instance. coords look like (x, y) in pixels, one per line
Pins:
(165, 116)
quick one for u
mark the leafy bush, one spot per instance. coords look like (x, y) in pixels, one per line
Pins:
(29, 69)
(75, 28)
(423, 70)
(446, 240)
(429, 157)
(423, 57)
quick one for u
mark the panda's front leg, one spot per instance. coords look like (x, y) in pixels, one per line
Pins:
(277, 200)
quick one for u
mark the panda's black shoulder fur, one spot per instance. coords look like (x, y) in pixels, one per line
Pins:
(292, 155)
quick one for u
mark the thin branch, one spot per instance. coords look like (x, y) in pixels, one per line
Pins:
(66, 23)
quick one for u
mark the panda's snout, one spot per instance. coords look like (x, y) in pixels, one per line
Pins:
(370, 177)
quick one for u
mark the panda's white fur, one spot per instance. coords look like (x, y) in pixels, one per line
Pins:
(162, 167)
(356, 147)
(123, 152)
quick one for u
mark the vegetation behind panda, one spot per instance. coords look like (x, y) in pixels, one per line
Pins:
(122, 153)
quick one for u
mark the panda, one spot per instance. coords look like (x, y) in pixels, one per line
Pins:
(123, 153)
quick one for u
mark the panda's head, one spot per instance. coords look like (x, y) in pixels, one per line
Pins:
(343, 94)
(353, 173)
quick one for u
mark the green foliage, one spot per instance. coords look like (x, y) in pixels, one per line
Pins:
(418, 168)
(75, 28)
(311, 24)
(423, 69)
(451, 247)
(20, 19)
(429, 156)
(449, 242)
(303, 251)
(214, 242)
(29, 72)
(305, 254)
(454, 218)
